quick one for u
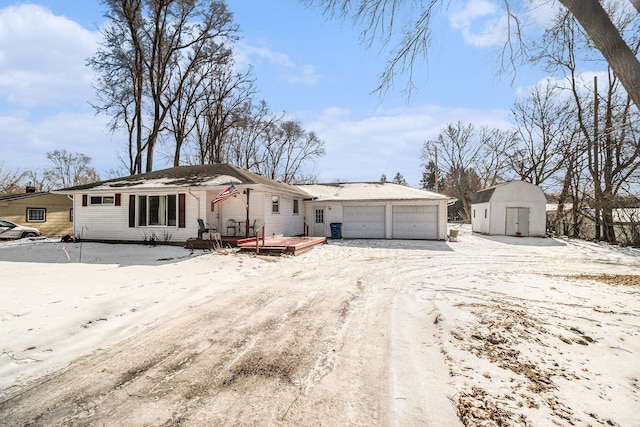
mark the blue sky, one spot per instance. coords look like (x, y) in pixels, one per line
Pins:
(314, 69)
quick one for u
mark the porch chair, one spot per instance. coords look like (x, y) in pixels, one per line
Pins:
(253, 227)
(231, 225)
(203, 227)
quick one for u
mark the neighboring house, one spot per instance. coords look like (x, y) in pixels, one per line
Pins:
(166, 204)
(51, 213)
(376, 211)
(626, 224)
(514, 208)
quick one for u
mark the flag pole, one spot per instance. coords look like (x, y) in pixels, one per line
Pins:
(246, 226)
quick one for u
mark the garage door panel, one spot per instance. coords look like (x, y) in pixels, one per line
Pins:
(363, 222)
(415, 222)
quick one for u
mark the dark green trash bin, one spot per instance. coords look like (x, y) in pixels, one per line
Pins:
(336, 230)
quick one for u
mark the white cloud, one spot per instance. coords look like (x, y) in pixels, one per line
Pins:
(26, 141)
(307, 75)
(389, 142)
(283, 66)
(43, 57)
(482, 23)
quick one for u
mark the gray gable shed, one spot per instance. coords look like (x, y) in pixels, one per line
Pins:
(514, 208)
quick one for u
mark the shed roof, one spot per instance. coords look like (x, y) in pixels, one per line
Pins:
(484, 196)
(218, 174)
(369, 191)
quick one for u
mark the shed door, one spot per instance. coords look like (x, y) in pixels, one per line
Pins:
(517, 221)
(415, 222)
(363, 222)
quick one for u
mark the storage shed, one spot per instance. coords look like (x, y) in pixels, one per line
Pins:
(514, 208)
(378, 210)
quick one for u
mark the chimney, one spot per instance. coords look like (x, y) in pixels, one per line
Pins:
(30, 189)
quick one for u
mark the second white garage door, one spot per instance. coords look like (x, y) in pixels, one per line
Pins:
(363, 222)
(415, 222)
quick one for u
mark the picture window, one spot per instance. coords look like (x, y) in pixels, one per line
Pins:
(157, 210)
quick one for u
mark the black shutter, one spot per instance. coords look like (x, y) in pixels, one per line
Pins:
(132, 210)
(182, 220)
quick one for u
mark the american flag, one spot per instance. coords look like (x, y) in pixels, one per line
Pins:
(225, 194)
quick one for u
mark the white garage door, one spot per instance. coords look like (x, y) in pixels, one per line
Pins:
(415, 222)
(363, 222)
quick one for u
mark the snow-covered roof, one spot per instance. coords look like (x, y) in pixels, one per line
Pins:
(219, 174)
(369, 191)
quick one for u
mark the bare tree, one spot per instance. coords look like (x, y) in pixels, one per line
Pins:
(606, 118)
(11, 181)
(286, 148)
(69, 169)
(458, 153)
(383, 19)
(150, 52)
(224, 98)
(244, 139)
(542, 121)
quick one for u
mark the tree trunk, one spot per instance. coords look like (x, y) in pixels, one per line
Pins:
(595, 21)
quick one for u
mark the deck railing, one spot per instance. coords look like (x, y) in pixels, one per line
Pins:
(258, 231)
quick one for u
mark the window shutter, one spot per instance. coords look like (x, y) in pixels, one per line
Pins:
(84, 200)
(117, 200)
(182, 220)
(132, 210)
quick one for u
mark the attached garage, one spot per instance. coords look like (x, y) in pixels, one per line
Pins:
(379, 210)
(415, 222)
(363, 222)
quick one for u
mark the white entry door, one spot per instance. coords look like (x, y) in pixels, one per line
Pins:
(517, 221)
(319, 228)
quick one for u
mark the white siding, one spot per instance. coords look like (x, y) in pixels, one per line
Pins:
(515, 194)
(110, 222)
(481, 218)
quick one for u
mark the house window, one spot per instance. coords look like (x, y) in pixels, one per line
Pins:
(275, 204)
(474, 213)
(319, 216)
(36, 214)
(295, 207)
(157, 210)
(485, 213)
(101, 200)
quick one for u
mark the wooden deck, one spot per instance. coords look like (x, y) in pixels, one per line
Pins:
(281, 245)
(272, 245)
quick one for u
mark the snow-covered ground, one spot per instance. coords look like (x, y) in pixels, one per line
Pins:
(481, 331)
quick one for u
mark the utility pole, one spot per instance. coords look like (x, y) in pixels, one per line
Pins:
(596, 154)
(436, 169)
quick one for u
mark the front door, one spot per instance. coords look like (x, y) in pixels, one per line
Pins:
(319, 227)
(517, 222)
